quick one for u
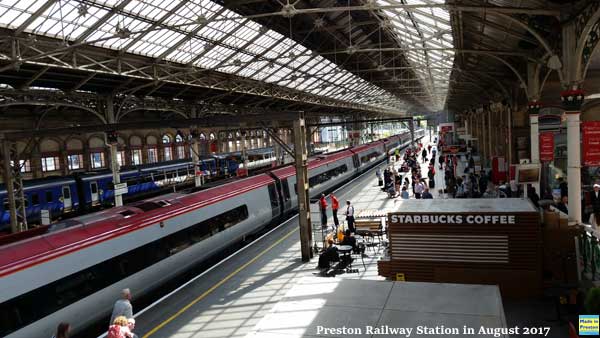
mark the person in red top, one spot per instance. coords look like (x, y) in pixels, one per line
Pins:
(335, 205)
(323, 207)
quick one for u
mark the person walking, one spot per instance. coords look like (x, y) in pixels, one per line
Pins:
(379, 177)
(122, 306)
(323, 208)
(424, 155)
(350, 216)
(335, 205)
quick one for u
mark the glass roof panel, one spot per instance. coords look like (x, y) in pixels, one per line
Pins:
(204, 33)
(427, 31)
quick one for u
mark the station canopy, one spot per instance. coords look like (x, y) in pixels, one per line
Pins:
(206, 35)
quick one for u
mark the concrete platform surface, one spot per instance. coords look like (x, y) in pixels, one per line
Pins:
(339, 307)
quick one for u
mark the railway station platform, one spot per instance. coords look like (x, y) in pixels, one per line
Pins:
(334, 307)
(249, 294)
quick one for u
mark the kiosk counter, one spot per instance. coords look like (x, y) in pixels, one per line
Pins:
(478, 241)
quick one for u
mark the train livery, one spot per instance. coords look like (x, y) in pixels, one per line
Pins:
(83, 191)
(74, 271)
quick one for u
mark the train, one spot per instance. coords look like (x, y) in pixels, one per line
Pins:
(75, 271)
(82, 192)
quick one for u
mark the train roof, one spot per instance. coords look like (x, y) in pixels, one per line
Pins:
(364, 147)
(313, 162)
(88, 230)
(42, 182)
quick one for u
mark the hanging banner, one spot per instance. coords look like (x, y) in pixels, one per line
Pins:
(546, 147)
(591, 143)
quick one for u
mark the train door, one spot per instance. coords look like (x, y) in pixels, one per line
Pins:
(355, 160)
(94, 193)
(287, 200)
(66, 195)
(273, 196)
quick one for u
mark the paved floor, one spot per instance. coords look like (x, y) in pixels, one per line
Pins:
(232, 299)
(335, 307)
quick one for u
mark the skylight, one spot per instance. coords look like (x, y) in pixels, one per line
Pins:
(426, 35)
(197, 32)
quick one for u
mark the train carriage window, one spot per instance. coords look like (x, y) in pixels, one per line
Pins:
(36, 304)
(66, 192)
(49, 197)
(35, 199)
(94, 187)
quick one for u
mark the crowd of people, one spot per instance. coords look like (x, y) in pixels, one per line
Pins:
(121, 320)
(391, 178)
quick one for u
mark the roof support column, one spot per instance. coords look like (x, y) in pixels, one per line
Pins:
(113, 144)
(18, 222)
(302, 188)
(572, 99)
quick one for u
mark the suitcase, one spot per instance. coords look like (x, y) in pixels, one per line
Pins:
(380, 183)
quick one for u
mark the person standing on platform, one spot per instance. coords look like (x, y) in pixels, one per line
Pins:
(335, 205)
(564, 191)
(431, 176)
(122, 306)
(426, 194)
(350, 216)
(323, 208)
(424, 155)
(563, 205)
(419, 188)
(404, 194)
(379, 177)
(595, 199)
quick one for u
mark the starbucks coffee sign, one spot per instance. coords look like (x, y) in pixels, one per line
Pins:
(452, 219)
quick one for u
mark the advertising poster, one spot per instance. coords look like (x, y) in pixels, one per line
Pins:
(591, 143)
(546, 147)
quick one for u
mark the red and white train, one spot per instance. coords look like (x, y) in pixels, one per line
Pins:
(75, 272)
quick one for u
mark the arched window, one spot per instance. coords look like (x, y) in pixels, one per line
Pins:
(211, 136)
(203, 136)
(167, 150)
(178, 138)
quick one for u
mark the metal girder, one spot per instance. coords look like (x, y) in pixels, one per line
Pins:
(34, 16)
(94, 27)
(187, 37)
(158, 22)
(33, 78)
(135, 67)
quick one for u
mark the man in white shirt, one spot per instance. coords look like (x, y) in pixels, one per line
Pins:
(122, 306)
(419, 187)
(350, 216)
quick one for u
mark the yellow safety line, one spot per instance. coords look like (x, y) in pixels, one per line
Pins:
(214, 287)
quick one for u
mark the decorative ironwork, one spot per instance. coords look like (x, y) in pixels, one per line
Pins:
(582, 19)
(572, 99)
(590, 43)
(533, 107)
